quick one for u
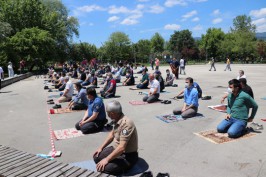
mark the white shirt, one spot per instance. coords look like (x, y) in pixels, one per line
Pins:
(1, 71)
(10, 66)
(62, 80)
(243, 76)
(70, 87)
(155, 84)
(182, 63)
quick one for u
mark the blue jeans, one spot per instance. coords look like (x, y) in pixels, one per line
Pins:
(234, 127)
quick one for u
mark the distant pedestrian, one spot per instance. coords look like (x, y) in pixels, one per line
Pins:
(228, 62)
(10, 70)
(157, 63)
(1, 76)
(182, 66)
(152, 63)
(212, 64)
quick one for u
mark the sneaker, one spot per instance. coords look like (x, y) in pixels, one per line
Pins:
(163, 175)
(146, 174)
(167, 102)
(57, 106)
(46, 87)
(256, 126)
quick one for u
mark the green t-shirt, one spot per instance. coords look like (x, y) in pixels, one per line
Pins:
(238, 107)
(145, 77)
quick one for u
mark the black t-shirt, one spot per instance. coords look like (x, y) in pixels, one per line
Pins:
(248, 90)
(83, 76)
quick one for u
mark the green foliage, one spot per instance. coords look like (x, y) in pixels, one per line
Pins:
(46, 15)
(211, 42)
(32, 43)
(83, 50)
(183, 43)
(118, 47)
(143, 50)
(157, 44)
(243, 23)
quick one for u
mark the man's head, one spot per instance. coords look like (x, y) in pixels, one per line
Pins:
(189, 82)
(78, 86)
(241, 73)
(243, 82)
(144, 71)
(234, 85)
(66, 79)
(151, 77)
(114, 110)
(109, 75)
(167, 71)
(91, 93)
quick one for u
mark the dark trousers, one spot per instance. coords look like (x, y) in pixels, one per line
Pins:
(151, 98)
(62, 87)
(79, 106)
(0, 84)
(91, 127)
(106, 95)
(119, 165)
(142, 86)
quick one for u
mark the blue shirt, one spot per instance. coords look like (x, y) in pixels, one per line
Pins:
(81, 96)
(97, 105)
(191, 96)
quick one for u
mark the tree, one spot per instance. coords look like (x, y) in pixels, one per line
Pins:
(157, 44)
(49, 15)
(83, 50)
(243, 23)
(211, 42)
(182, 43)
(5, 30)
(261, 48)
(118, 47)
(32, 43)
(143, 49)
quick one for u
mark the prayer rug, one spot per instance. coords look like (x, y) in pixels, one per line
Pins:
(62, 110)
(54, 96)
(219, 138)
(137, 102)
(67, 133)
(134, 89)
(220, 108)
(169, 118)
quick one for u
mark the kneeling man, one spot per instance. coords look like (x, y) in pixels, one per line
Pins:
(238, 107)
(190, 106)
(120, 157)
(154, 92)
(95, 116)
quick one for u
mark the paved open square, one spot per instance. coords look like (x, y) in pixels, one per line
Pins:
(166, 147)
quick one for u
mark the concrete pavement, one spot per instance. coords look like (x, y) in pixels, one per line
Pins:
(171, 148)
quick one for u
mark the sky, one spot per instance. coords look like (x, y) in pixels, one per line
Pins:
(141, 19)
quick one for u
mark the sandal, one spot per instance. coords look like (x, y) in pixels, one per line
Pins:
(164, 101)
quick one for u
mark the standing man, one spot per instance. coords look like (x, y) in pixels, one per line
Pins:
(94, 118)
(238, 107)
(152, 63)
(1, 76)
(212, 64)
(123, 155)
(190, 106)
(228, 62)
(174, 65)
(154, 92)
(10, 70)
(157, 63)
(182, 66)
